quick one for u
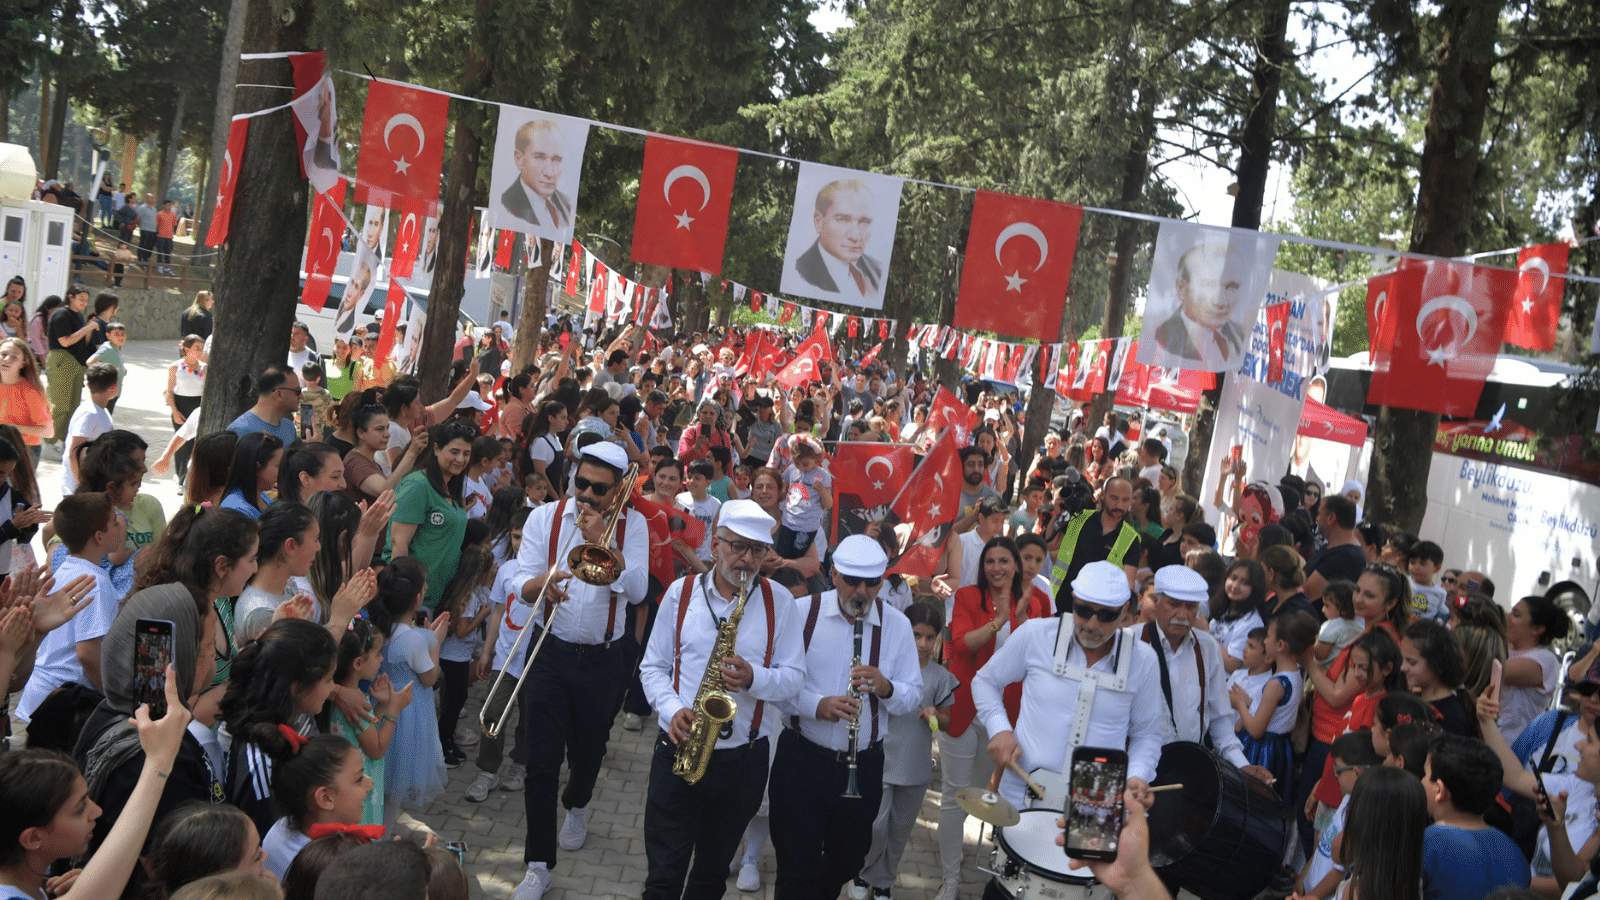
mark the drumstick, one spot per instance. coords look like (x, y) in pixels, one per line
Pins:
(1156, 789)
(1032, 785)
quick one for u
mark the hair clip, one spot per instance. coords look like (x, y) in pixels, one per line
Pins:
(1403, 719)
(295, 739)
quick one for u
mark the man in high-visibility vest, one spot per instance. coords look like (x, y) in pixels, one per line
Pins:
(1096, 534)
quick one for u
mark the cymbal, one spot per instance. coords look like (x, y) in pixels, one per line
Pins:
(988, 806)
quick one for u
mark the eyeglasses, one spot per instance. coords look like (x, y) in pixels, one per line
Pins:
(1340, 770)
(295, 390)
(740, 548)
(860, 582)
(596, 487)
(1103, 613)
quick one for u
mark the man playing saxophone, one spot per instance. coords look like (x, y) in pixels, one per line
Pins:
(724, 638)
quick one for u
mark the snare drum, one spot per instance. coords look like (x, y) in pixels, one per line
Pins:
(1029, 865)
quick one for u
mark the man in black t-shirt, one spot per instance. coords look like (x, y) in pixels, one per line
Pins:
(1343, 559)
(71, 341)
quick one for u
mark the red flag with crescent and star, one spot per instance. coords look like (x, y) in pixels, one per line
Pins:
(1447, 319)
(1017, 267)
(872, 355)
(685, 191)
(238, 131)
(1378, 287)
(666, 523)
(322, 245)
(1536, 306)
(407, 240)
(1277, 335)
(393, 303)
(930, 503)
(945, 411)
(402, 146)
(574, 269)
(502, 250)
(803, 368)
(866, 479)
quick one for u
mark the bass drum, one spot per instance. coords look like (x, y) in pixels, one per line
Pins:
(1224, 834)
(1029, 865)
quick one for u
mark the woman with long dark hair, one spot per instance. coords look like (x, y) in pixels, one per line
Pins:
(1532, 669)
(254, 472)
(430, 515)
(1384, 828)
(542, 447)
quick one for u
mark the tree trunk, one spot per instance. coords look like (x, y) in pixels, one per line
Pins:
(1135, 172)
(44, 115)
(1402, 450)
(5, 115)
(221, 117)
(258, 280)
(1255, 162)
(449, 277)
(531, 323)
(64, 64)
(174, 146)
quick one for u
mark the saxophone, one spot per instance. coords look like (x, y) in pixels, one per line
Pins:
(714, 707)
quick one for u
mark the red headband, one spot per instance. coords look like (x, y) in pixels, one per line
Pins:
(294, 739)
(366, 832)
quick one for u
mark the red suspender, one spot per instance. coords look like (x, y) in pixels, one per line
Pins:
(677, 640)
(555, 544)
(766, 662)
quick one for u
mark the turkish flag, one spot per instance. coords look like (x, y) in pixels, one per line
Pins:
(1448, 319)
(1536, 305)
(757, 300)
(945, 411)
(393, 302)
(1175, 390)
(685, 191)
(854, 327)
(787, 314)
(573, 270)
(866, 479)
(1017, 266)
(502, 249)
(322, 246)
(1069, 370)
(1133, 387)
(1378, 297)
(803, 368)
(1277, 336)
(238, 130)
(883, 329)
(872, 355)
(930, 503)
(597, 289)
(751, 352)
(666, 523)
(820, 319)
(407, 241)
(402, 145)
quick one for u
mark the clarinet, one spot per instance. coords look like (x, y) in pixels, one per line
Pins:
(850, 790)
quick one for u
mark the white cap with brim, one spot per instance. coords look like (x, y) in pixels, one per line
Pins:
(473, 401)
(1101, 584)
(1182, 584)
(859, 556)
(608, 453)
(748, 520)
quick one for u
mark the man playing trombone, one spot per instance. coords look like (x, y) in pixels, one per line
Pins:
(707, 777)
(577, 669)
(827, 779)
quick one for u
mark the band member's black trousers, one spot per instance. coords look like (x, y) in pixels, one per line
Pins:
(704, 820)
(820, 838)
(570, 701)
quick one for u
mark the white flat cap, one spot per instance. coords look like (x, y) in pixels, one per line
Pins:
(1183, 584)
(608, 453)
(473, 401)
(748, 520)
(860, 557)
(1102, 584)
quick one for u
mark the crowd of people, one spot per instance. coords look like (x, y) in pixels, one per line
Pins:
(351, 563)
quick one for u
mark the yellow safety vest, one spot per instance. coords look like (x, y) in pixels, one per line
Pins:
(1126, 537)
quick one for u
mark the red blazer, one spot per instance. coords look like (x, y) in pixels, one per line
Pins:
(974, 610)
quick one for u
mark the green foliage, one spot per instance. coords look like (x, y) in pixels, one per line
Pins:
(142, 52)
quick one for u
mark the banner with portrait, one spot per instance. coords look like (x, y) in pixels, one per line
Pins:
(1206, 287)
(841, 235)
(538, 159)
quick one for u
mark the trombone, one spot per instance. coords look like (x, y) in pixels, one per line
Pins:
(595, 564)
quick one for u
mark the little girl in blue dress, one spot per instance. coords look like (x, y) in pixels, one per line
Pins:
(414, 770)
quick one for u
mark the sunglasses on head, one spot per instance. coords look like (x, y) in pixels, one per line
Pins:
(598, 487)
(1103, 613)
(860, 582)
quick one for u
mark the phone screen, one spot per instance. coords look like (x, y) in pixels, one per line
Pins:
(152, 653)
(1094, 807)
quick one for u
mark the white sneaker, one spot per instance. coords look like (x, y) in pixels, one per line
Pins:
(534, 883)
(479, 790)
(949, 890)
(856, 890)
(514, 778)
(575, 829)
(632, 722)
(466, 737)
(750, 879)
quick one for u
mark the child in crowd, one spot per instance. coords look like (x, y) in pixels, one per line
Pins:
(1375, 663)
(90, 528)
(536, 487)
(381, 870)
(507, 502)
(1340, 627)
(1434, 669)
(316, 781)
(467, 602)
(908, 753)
(198, 839)
(506, 620)
(1422, 564)
(1352, 754)
(477, 489)
(720, 484)
(300, 881)
(1383, 837)
(742, 475)
(1396, 709)
(446, 881)
(110, 353)
(1408, 746)
(808, 495)
(90, 420)
(1270, 703)
(698, 502)
(414, 769)
(315, 397)
(361, 659)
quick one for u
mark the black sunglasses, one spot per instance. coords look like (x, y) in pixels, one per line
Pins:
(1103, 613)
(860, 582)
(598, 487)
(1586, 689)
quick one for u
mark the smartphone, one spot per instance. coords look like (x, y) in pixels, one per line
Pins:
(1094, 803)
(1235, 453)
(1495, 671)
(152, 653)
(1544, 794)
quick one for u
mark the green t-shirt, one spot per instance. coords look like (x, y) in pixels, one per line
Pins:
(441, 526)
(146, 521)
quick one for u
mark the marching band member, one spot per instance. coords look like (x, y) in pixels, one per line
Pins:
(1194, 685)
(821, 837)
(572, 690)
(706, 819)
(1083, 681)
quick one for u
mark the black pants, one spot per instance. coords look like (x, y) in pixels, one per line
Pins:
(571, 701)
(704, 820)
(452, 700)
(820, 838)
(180, 460)
(636, 702)
(147, 244)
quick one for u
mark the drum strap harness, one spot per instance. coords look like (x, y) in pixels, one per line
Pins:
(1088, 681)
(1150, 636)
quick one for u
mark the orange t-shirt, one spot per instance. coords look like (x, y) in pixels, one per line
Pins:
(20, 404)
(166, 224)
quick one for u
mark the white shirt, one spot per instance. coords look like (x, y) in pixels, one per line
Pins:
(514, 613)
(690, 651)
(828, 670)
(1119, 718)
(839, 271)
(55, 663)
(1218, 717)
(282, 844)
(971, 558)
(296, 360)
(582, 618)
(89, 420)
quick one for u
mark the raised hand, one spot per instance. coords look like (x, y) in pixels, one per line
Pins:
(401, 699)
(376, 516)
(51, 611)
(162, 737)
(356, 593)
(440, 627)
(16, 630)
(381, 692)
(296, 607)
